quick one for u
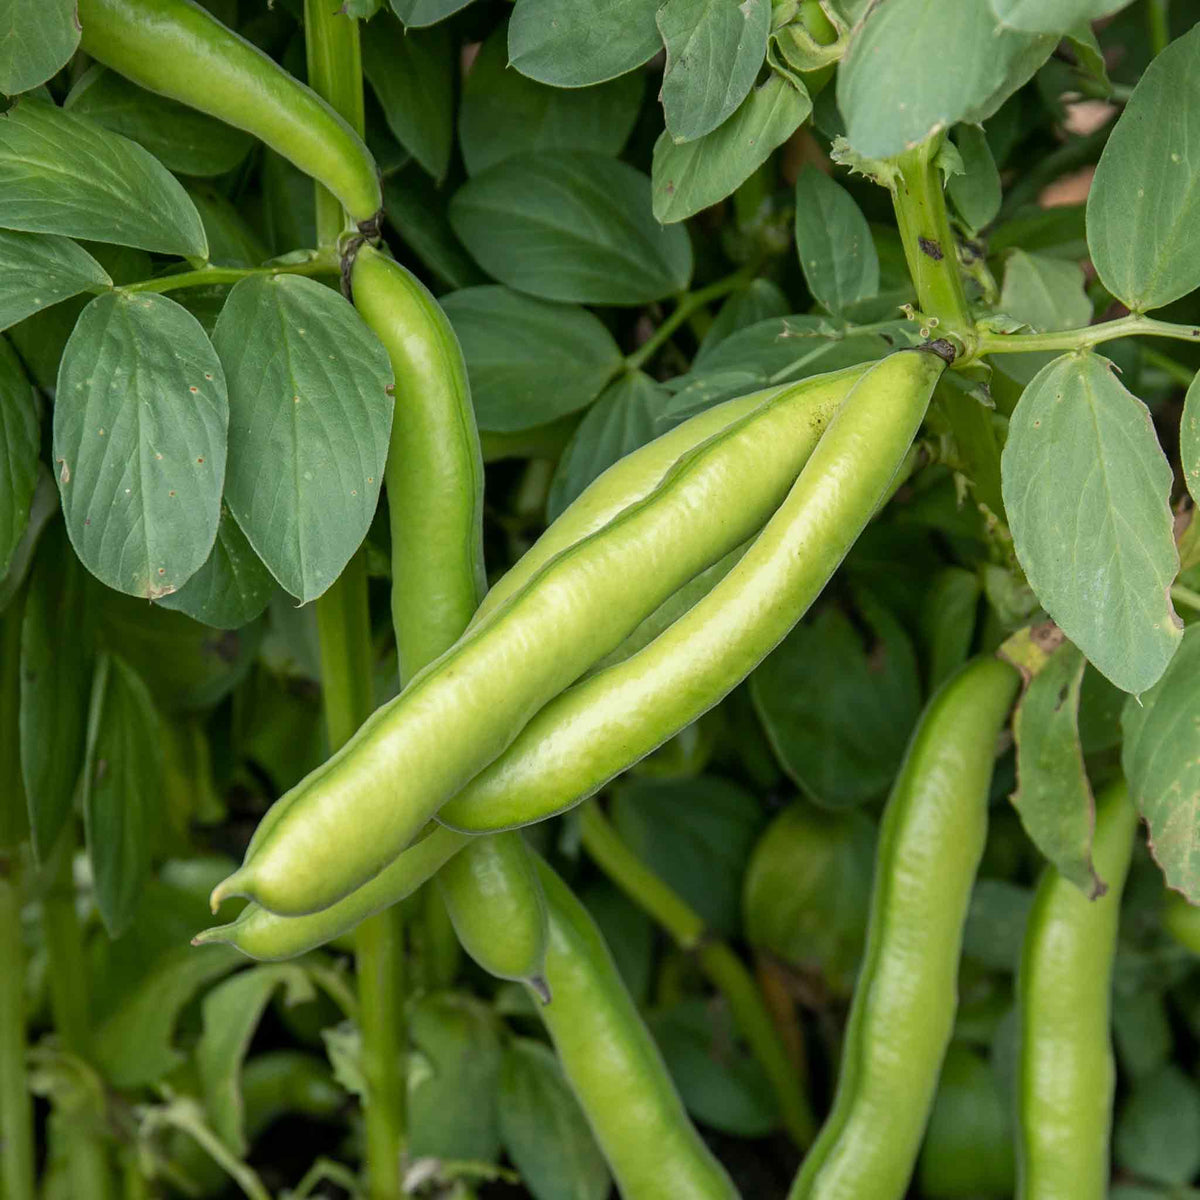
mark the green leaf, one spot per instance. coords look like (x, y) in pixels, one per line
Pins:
(1086, 489)
(571, 225)
(56, 668)
(452, 1102)
(758, 301)
(834, 243)
(567, 44)
(42, 507)
(627, 931)
(1189, 438)
(504, 113)
(838, 709)
(714, 51)
(528, 361)
(231, 588)
(231, 1013)
(544, 1129)
(416, 14)
(1053, 796)
(412, 74)
(417, 210)
(1161, 760)
(949, 63)
(717, 1079)
(618, 423)
(995, 926)
(62, 173)
(309, 415)
(139, 442)
(1144, 206)
(976, 193)
(181, 138)
(134, 1046)
(231, 241)
(122, 786)
(20, 442)
(807, 892)
(1052, 16)
(40, 269)
(1157, 1134)
(37, 39)
(693, 176)
(186, 665)
(1045, 293)
(703, 858)
(948, 622)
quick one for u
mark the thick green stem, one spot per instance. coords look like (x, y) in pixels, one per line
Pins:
(929, 245)
(1158, 22)
(343, 620)
(724, 969)
(16, 1104)
(1076, 339)
(689, 303)
(322, 263)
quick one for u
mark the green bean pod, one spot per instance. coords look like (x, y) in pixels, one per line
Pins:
(267, 937)
(179, 50)
(495, 902)
(614, 1067)
(1065, 1073)
(902, 1015)
(434, 472)
(597, 729)
(349, 818)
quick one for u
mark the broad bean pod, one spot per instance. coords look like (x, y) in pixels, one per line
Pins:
(179, 50)
(614, 1067)
(600, 727)
(906, 996)
(349, 818)
(1065, 1072)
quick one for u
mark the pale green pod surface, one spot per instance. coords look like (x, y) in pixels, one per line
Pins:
(1065, 1071)
(902, 1015)
(614, 1067)
(350, 817)
(434, 471)
(495, 901)
(267, 937)
(597, 729)
(179, 50)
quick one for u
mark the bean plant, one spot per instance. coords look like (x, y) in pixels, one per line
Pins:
(597, 597)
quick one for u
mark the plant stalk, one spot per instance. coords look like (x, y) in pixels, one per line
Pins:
(930, 247)
(343, 622)
(725, 970)
(322, 263)
(1076, 339)
(16, 1104)
(1158, 22)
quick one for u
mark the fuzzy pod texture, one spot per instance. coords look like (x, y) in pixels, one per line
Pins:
(178, 49)
(906, 996)
(597, 729)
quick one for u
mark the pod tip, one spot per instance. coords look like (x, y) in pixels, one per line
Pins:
(540, 987)
(210, 937)
(234, 885)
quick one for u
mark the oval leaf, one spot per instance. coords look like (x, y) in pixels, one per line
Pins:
(714, 52)
(20, 439)
(416, 14)
(40, 269)
(568, 44)
(122, 787)
(1052, 16)
(1161, 760)
(1086, 489)
(504, 113)
(37, 39)
(834, 243)
(949, 62)
(181, 138)
(695, 175)
(571, 226)
(139, 442)
(1144, 206)
(528, 361)
(310, 413)
(1189, 438)
(61, 173)
(231, 588)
